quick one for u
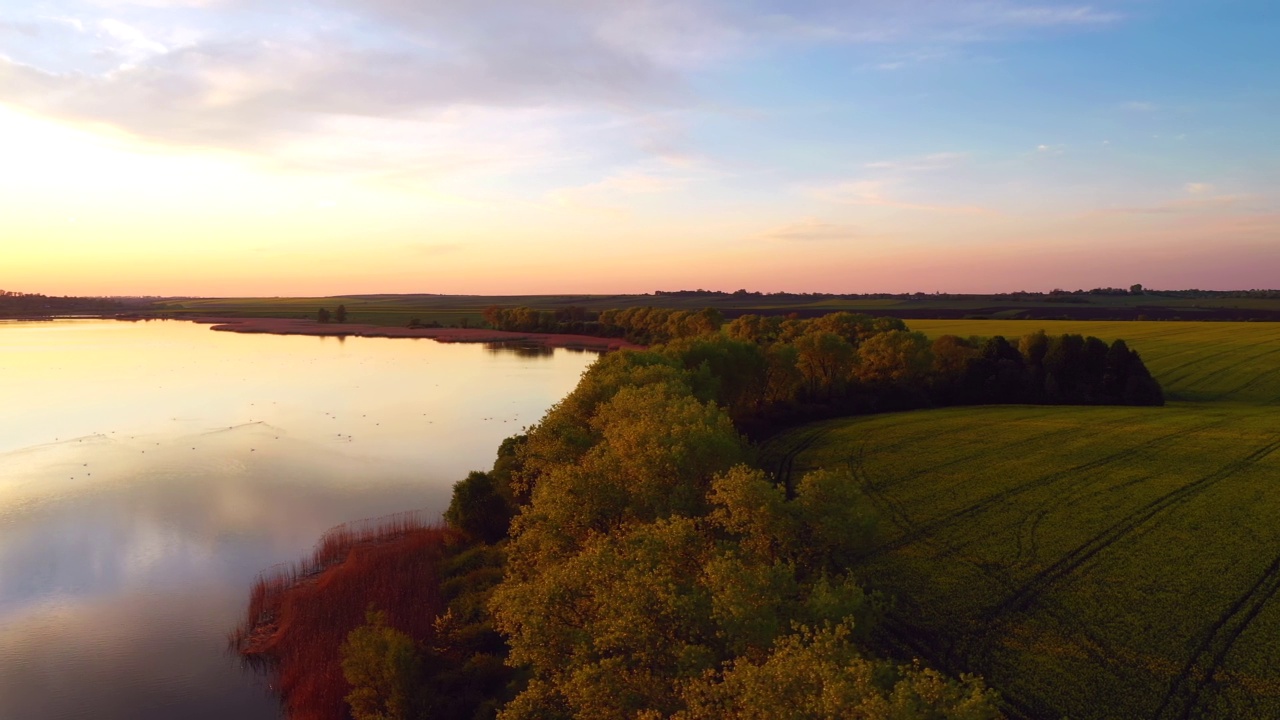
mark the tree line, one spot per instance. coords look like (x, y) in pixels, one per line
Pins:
(640, 325)
(845, 363)
(34, 304)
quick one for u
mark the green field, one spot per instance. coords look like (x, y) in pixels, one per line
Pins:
(1090, 562)
(454, 309)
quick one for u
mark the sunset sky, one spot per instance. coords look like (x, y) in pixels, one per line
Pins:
(247, 147)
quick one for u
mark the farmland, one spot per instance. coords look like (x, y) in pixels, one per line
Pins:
(1090, 562)
(451, 310)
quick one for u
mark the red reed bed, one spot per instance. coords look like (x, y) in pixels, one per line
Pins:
(299, 614)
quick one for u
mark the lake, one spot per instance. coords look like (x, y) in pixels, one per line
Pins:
(149, 471)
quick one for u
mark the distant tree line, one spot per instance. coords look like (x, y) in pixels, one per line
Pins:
(641, 325)
(574, 320)
(18, 304)
(1025, 295)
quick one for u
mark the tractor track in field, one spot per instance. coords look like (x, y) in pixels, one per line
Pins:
(782, 473)
(1169, 379)
(988, 450)
(1029, 591)
(929, 417)
(1189, 685)
(857, 469)
(907, 643)
(886, 502)
(1059, 501)
(1256, 379)
(932, 527)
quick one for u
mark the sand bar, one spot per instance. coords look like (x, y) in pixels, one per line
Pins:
(285, 326)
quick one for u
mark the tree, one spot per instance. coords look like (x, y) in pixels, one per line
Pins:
(1135, 289)
(896, 356)
(340, 315)
(735, 368)
(818, 674)
(322, 316)
(824, 359)
(479, 509)
(380, 663)
(951, 356)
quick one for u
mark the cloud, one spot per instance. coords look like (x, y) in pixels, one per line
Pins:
(812, 230)
(927, 21)
(871, 193)
(1201, 202)
(247, 83)
(266, 77)
(30, 29)
(609, 193)
(901, 60)
(1195, 188)
(132, 42)
(1051, 16)
(921, 163)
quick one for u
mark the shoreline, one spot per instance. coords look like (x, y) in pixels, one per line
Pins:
(286, 326)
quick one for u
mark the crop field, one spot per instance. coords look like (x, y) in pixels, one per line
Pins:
(1090, 562)
(399, 310)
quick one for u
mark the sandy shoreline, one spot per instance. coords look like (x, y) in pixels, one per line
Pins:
(284, 326)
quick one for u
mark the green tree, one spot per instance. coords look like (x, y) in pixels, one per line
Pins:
(323, 315)
(783, 378)
(735, 368)
(896, 356)
(951, 356)
(340, 315)
(818, 674)
(380, 664)
(824, 359)
(478, 508)
(853, 327)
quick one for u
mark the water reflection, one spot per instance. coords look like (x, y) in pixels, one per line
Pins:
(520, 349)
(149, 471)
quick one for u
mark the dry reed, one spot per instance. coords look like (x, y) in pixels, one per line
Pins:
(299, 613)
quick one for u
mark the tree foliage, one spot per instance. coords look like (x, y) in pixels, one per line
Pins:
(380, 664)
(819, 674)
(651, 567)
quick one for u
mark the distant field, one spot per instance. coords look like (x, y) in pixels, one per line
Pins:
(1090, 562)
(454, 309)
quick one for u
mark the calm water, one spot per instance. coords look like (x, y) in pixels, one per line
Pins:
(148, 471)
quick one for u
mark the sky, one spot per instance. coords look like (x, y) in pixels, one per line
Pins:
(321, 147)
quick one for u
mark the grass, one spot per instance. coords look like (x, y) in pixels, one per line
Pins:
(1091, 562)
(299, 614)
